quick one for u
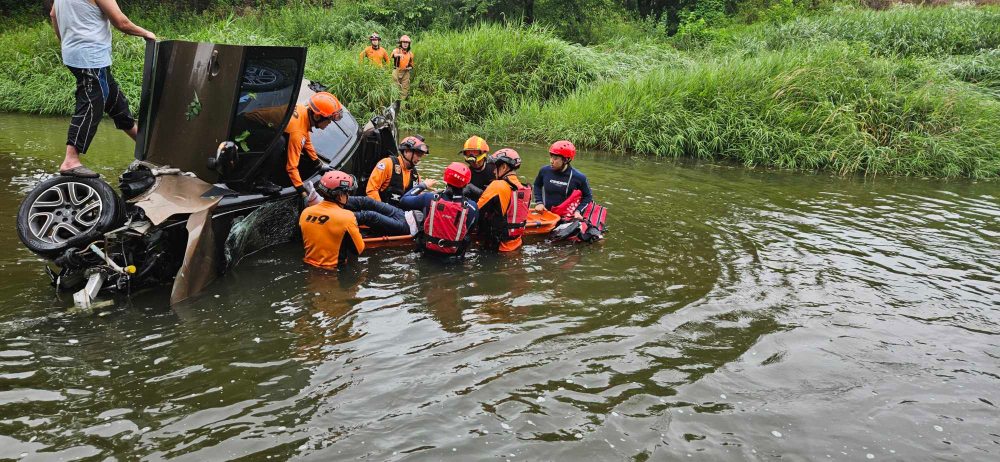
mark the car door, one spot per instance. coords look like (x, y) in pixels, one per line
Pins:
(197, 95)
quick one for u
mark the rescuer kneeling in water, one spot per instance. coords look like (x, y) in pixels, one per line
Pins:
(448, 218)
(477, 154)
(330, 233)
(323, 108)
(395, 175)
(559, 187)
(504, 204)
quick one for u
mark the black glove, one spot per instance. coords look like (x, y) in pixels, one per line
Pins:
(472, 192)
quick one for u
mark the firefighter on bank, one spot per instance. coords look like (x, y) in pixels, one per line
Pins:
(402, 65)
(375, 53)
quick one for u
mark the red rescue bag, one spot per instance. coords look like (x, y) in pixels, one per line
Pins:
(445, 227)
(517, 211)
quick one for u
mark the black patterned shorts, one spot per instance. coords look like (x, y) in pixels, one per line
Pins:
(97, 93)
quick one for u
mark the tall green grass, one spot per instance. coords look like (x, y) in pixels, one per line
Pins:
(831, 107)
(902, 31)
(905, 91)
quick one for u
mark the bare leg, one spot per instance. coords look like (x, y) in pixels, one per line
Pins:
(72, 158)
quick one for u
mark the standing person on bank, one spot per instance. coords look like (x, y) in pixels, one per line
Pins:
(559, 187)
(83, 28)
(402, 65)
(375, 53)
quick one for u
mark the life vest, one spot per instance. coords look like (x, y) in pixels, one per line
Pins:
(402, 59)
(396, 189)
(590, 229)
(517, 212)
(445, 227)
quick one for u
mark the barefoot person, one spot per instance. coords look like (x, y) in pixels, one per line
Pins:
(84, 31)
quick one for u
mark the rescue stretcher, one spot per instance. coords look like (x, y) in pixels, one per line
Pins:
(538, 223)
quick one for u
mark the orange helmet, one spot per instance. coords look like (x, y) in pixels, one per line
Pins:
(326, 105)
(405, 38)
(508, 156)
(475, 149)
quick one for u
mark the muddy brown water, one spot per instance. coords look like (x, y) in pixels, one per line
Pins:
(732, 314)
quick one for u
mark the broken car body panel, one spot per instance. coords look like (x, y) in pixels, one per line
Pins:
(191, 206)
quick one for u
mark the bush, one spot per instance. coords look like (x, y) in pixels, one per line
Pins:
(833, 107)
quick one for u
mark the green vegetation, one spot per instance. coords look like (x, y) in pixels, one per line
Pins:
(906, 91)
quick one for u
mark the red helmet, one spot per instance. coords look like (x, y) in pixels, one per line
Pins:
(564, 149)
(326, 105)
(509, 157)
(457, 174)
(414, 143)
(405, 38)
(336, 182)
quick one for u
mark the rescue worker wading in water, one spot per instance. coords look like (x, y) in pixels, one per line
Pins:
(375, 54)
(402, 65)
(561, 188)
(477, 154)
(330, 234)
(395, 175)
(322, 109)
(504, 204)
(448, 218)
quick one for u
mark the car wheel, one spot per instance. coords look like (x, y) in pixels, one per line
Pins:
(261, 78)
(64, 211)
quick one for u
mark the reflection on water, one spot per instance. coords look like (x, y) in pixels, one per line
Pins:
(731, 315)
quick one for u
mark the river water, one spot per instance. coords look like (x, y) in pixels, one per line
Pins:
(731, 314)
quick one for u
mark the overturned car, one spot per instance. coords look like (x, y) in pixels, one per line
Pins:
(208, 185)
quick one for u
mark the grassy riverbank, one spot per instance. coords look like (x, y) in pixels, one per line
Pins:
(909, 91)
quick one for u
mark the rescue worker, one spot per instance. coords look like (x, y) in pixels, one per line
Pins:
(559, 187)
(456, 176)
(402, 65)
(395, 175)
(330, 233)
(501, 225)
(375, 54)
(322, 109)
(83, 28)
(477, 154)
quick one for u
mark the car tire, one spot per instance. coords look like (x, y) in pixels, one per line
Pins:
(262, 78)
(66, 211)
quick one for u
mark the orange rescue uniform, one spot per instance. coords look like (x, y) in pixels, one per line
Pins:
(382, 174)
(329, 232)
(379, 56)
(402, 59)
(496, 199)
(298, 141)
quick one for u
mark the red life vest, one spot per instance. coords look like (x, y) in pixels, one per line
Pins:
(594, 217)
(445, 228)
(517, 211)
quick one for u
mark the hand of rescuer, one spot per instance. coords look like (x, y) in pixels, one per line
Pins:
(539, 207)
(577, 215)
(429, 183)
